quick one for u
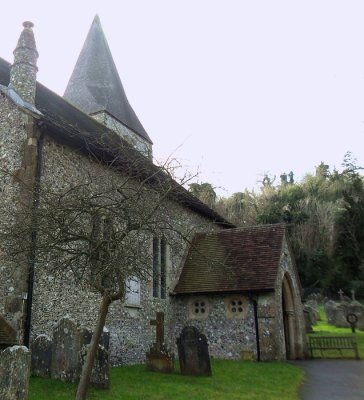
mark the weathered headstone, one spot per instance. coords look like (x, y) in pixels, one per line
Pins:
(159, 358)
(312, 313)
(193, 352)
(42, 356)
(356, 307)
(339, 315)
(341, 294)
(100, 376)
(308, 323)
(329, 308)
(360, 323)
(14, 373)
(314, 309)
(66, 347)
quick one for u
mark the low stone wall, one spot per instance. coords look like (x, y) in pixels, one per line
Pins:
(14, 373)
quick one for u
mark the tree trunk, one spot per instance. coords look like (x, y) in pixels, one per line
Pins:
(92, 350)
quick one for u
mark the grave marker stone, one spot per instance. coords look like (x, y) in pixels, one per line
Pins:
(329, 308)
(100, 376)
(193, 353)
(14, 373)
(159, 358)
(42, 356)
(66, 347)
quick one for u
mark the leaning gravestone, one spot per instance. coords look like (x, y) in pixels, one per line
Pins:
(193, 353)
(66, 347)
(14, 373)
(42, 356)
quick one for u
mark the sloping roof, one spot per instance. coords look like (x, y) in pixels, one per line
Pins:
(233, 260)
(66, 123)
(95, 84)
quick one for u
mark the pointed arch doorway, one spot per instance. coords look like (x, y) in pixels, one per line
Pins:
(292, 334)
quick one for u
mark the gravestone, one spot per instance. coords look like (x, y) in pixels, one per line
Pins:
(308, 323)
(312, 313)
(340, 312)
(356, 307)
(159, 358)
(329, 308)
(360, 324)
(100, 376)
(193, 353)
(66, 348)
(42, 356)
(14, 373)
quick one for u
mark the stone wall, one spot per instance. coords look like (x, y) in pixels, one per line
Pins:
(55, 297)
(230, 334)
(15, 126)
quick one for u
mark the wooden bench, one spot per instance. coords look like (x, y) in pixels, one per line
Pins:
(333, 343)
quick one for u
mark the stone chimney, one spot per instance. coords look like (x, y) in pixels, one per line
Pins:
(23, 73)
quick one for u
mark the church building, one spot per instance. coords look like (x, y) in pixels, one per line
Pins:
(238, 286)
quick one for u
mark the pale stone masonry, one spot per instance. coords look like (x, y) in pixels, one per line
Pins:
(46, 139)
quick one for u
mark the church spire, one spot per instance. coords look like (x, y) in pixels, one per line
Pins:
(95, 86)
(23, 73)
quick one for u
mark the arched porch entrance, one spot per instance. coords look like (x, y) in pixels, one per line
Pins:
(293, 337)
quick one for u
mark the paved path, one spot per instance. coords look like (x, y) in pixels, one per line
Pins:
(332, 380)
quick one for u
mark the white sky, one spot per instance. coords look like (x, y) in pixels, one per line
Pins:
(234, 88)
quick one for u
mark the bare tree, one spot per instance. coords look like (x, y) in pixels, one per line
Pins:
(98, 229)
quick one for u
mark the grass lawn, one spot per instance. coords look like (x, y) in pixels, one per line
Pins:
(230, 380)
(324, 329)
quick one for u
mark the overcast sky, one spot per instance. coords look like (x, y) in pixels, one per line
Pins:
(232, 88)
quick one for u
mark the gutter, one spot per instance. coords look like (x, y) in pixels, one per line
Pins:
(255, 311)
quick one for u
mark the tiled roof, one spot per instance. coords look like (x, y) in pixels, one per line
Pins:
(233, 260)
(66, 123)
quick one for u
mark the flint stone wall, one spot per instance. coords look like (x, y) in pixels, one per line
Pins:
(13, 141)
(228, 336)
(14, 373)
(130, 332)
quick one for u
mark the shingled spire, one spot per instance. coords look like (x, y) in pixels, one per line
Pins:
(23, 73)
(95, 86)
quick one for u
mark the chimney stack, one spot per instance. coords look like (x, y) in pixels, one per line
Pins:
(23, 73)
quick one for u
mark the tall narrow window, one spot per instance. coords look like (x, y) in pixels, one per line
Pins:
(156, 262)
(163, 268)
(159, 268)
